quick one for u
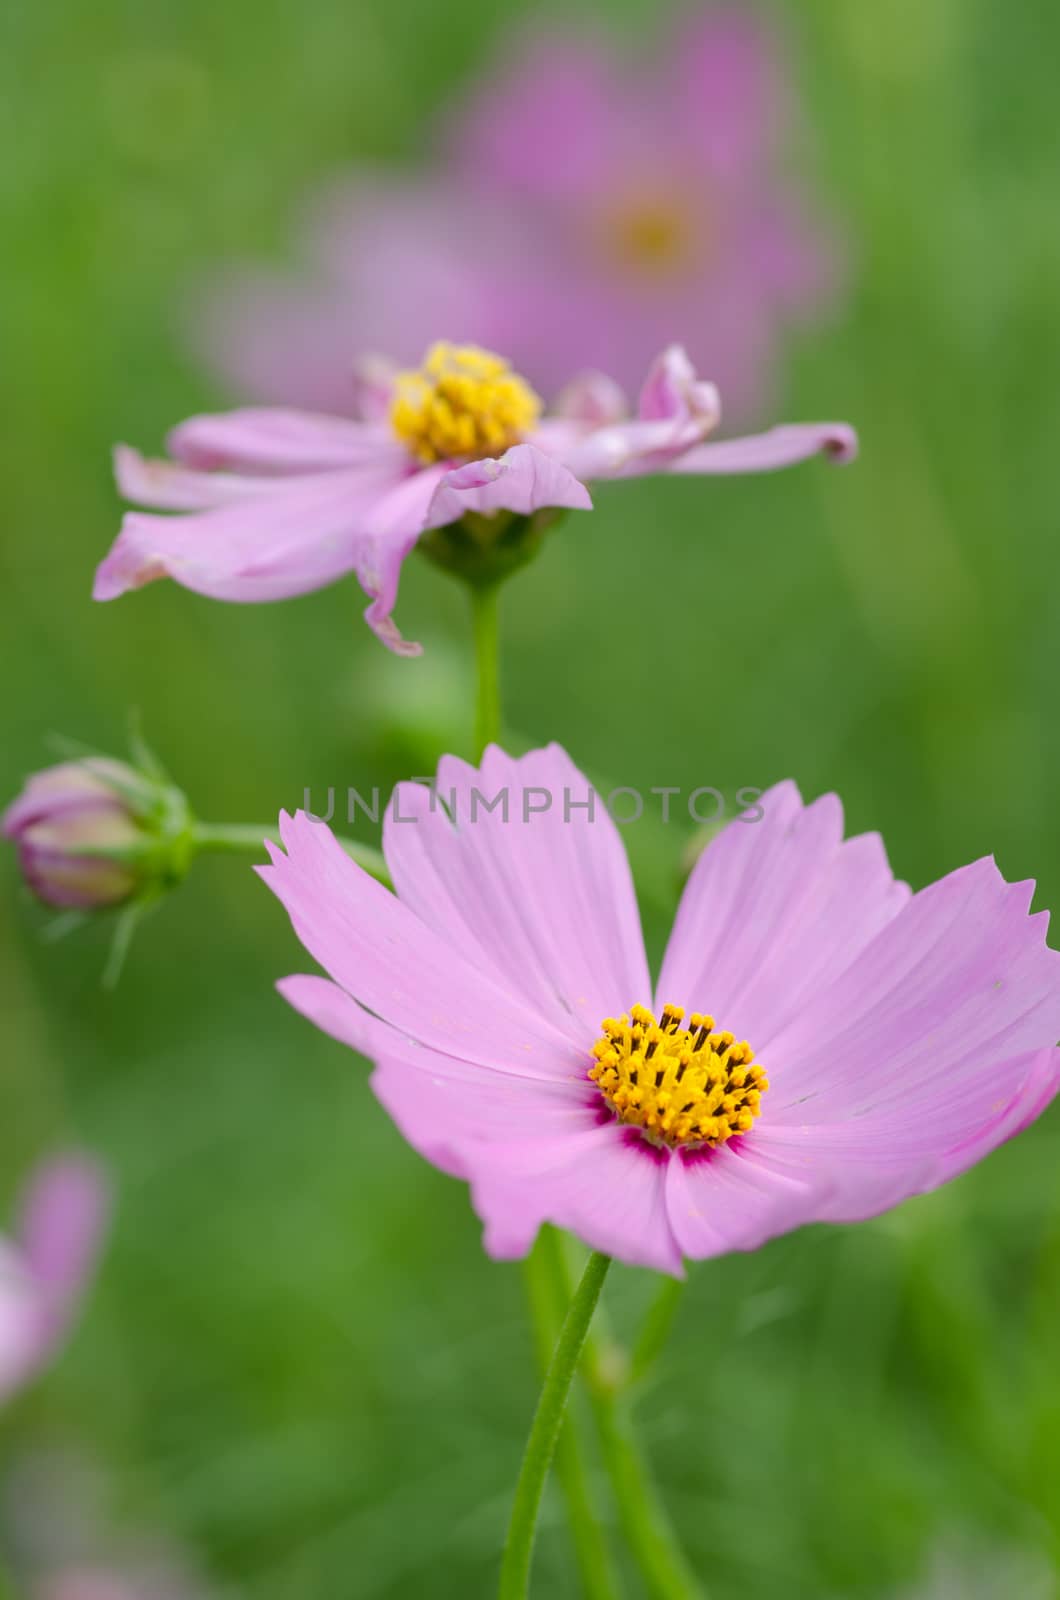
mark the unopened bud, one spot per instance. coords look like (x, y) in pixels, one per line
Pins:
(95, 833)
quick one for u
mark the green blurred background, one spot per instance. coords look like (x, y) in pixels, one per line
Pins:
(298, 1362)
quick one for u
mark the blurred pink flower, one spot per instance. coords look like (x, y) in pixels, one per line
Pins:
(67, 1545)
(585, 212)
(502, 992)
(283, 502)
(45, 1267)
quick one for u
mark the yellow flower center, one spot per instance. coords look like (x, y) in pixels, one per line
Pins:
(681, 1086)
(463, 402)
(650, 235)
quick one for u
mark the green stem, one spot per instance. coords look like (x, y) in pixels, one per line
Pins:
(487, 665)
(241, 838)
(548, 1294)
(545, 1430)
(661, 1562)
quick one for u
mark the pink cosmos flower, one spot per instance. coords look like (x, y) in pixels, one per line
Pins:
(45, 1267)
(863, 1043)
(609, 206)
(283, 502)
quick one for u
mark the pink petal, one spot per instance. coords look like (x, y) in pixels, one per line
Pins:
(766, 452)
(675, 412)
(773, 910)
(455, 1123)
(70, 787)
(524, 480)
(548, 120)
(592, 400)
(367, 284)
(673, 392)
(374, 387)
(277, 442)
(869, 1162)
(508, 864)
(379, 951)
(606, 1186)
(22, 1348)
(959, 982)
(733, 1198)
(168, 487)
(63, 1219)
(388, 532)
(727, 92)
(337, 1013)
(299, 536)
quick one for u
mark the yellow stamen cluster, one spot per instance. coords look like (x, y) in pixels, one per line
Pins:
(681, 1086)
(464, 402)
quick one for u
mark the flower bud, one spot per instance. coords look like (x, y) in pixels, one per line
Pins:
(95, 833)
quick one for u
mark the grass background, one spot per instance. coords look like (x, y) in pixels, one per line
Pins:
(298, 1363)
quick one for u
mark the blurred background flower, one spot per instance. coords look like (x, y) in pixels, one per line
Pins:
(588, 204)
(46, 1266)
(67, 1541)
(964, 1569)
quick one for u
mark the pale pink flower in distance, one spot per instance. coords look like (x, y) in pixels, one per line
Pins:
(277, 503)
(586, 209)
(46, 1265)
(820, 1044)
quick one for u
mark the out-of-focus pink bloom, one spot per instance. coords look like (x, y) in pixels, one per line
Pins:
(504, 996)
(65, 1543)
(283, 502)
(150, 1581)
(45, 1267)
(586, 211)
(960, 1570)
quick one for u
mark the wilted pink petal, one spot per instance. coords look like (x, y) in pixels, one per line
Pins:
(766, 452)
(524, 480)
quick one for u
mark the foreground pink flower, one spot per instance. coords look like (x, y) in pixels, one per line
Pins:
(609, 205)
(518, 1041)
(45, 1267)
(283, 502)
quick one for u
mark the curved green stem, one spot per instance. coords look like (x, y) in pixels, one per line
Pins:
(241, 838)
(545, 1429)
(653, 1543)
(548, 1292)
(487, 665)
